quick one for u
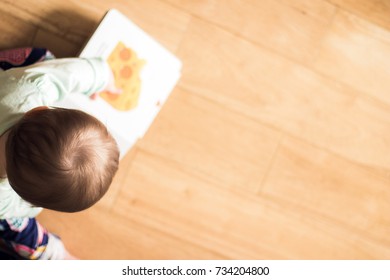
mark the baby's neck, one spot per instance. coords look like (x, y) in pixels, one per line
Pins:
(3, 140)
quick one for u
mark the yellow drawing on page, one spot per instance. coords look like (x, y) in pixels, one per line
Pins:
(126, 67)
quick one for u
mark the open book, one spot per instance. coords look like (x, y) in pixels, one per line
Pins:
(144, 69)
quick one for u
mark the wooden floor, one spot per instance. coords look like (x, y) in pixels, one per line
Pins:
(274, 145)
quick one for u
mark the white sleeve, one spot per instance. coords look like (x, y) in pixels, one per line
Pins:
(55, 249)
(12, 205)
(59, 77)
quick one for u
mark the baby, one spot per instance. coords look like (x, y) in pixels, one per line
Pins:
(55, 158)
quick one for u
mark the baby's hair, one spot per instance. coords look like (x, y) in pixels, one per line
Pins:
(60, 159)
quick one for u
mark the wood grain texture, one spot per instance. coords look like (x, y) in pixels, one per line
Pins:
(60, 47)
(293, 30)
(238, 151)
(286, 96)
(376, 11)
(356, 52)
(233, 223)
(64, 18)
(15, 33)
(275, 143)
(328, 185)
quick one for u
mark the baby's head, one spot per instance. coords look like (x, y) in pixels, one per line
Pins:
(60, 159)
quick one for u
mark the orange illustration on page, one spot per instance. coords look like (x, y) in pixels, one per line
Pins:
(126, 67)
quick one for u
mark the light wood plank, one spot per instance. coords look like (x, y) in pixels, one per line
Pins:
(96, 234)
(63, 18)
(291, 98)
(169, 198)
(323, 183)
(356, 52)
(76, 20)
(376, 11)
(56, 44)
(212, 140)
(15, 33)
(294, 30)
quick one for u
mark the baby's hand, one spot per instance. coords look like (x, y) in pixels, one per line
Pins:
(111, 88)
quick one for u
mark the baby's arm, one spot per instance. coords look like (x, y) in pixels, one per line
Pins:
(57, 78)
